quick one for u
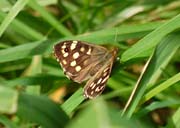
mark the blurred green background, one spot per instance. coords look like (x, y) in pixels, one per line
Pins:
(143, 90)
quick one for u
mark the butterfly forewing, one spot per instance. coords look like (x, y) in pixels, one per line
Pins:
(77, 58)
(81, 61)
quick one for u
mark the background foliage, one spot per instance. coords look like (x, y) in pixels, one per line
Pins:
(34, 91)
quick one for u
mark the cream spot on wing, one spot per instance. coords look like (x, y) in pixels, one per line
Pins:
(75, 41)
(98, 89)
(78, 68)
(64, 70)
(76, 55)
(89, 51)
(65, 54)
(101, 87)
(73, 63)
(61, 64)
(57, 59)
(64, 46)
(105, 70)
(73, 45)
(105, 79)
(63, 51)
(99, 81)
(82, 49)
(104, 74)
(85, 95)
(64, 62)
(91, 84)
(92, 92)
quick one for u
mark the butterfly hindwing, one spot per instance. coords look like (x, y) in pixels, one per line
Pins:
(96, 84)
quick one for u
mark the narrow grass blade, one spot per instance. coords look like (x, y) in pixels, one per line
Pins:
(22, 28)
(170, 82)
(158, 61)
(25, 50)
(156, 105)
(12, 14)
(151, 40)
(47, 16)
(71, 104)
(33, 80)
(98, 37)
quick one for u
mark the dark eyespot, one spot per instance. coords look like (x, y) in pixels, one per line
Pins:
(66, 49)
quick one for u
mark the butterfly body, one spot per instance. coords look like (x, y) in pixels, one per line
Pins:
(82, 61)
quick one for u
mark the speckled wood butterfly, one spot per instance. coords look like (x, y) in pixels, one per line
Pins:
(82, 61)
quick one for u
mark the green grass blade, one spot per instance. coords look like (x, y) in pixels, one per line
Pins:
(7, 122)
(158, 61)
(170, 82)
(33, 80)
(47, 16)
(33, 69)
(25, 50)
(151, 40)
(12, 14)
(123, 15)
(23, 29)
(98, 115)
(34, 90)
(8, 100)
(165, 53)
(71, 104)
(41, 110)
(98, 37)
(176, 118)
(157, 105)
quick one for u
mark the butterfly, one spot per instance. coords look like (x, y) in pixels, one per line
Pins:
(82, 61)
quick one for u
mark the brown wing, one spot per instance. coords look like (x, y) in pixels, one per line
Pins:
(96, 84)
(77, 58)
